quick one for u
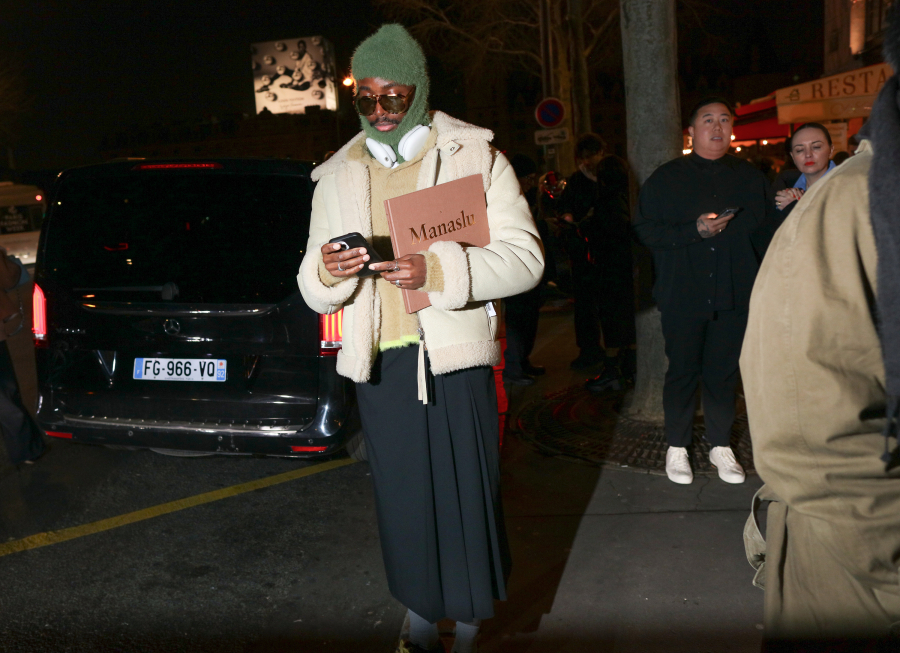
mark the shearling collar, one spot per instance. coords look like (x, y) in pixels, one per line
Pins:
(449, 130)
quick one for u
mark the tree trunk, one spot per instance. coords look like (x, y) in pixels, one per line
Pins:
(649, 49)
(581, 96)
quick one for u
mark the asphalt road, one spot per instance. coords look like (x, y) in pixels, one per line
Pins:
(295, 566)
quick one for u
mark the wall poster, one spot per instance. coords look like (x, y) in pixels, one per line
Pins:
(293, 74)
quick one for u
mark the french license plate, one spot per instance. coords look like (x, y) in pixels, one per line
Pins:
(180, 369)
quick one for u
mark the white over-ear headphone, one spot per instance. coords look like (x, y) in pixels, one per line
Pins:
(408, 146)
(413, 141)
(382, 153)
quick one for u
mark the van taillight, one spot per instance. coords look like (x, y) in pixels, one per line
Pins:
(330, 333)
(39, 316)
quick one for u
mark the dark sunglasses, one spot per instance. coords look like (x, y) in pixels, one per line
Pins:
(365, 104)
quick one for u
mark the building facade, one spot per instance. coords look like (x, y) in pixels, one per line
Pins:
(854, 34)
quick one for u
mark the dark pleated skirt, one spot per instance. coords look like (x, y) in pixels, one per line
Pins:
(436, 471)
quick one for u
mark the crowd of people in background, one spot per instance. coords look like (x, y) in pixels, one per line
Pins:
(586, 225)
(707, 218)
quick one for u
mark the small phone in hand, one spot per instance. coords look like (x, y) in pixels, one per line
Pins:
(729, 211)
(354, 240)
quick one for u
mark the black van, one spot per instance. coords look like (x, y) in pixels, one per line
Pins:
(167, 313)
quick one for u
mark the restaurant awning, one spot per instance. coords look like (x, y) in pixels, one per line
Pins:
(758, 120)
(839, 97)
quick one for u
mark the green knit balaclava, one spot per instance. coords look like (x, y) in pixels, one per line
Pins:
(393, 54)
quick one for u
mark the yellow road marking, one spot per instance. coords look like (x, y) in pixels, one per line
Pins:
(55, 537)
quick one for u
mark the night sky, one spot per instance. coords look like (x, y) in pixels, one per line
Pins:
(95, 67)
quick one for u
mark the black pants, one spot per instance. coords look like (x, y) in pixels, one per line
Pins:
(522, 312)
(21, 435)
(605, 300)
(701, 347)
(436, 472)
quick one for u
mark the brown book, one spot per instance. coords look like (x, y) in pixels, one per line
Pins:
(455, 210)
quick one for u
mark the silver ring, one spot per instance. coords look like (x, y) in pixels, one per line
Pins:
(340, 268)
(396, 267)
(397, 283)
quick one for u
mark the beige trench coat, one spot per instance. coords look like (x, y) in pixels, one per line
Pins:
(814, 383)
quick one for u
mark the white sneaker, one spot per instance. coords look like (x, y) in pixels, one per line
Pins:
(678, 468)
(730, 470)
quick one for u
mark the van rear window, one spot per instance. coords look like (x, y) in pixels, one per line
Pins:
(183, 237)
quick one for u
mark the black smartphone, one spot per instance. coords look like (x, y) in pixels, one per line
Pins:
(728, 211)
(354, 240)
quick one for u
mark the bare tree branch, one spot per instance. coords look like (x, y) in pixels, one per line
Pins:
(475, 33)
(523, 23)
(599, 31)
(695, 9)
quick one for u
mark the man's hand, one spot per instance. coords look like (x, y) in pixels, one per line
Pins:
(407, 272)
(343, 263)
(708, 225)
(786, 196)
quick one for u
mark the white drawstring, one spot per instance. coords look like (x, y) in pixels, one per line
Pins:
(422, 375)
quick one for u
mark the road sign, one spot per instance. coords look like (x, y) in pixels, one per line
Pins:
(550, 113)
(551, 136)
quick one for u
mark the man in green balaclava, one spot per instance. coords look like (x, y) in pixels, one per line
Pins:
(390, 63)
(424, 383)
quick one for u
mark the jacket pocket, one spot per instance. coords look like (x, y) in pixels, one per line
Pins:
(754, 543)
(446, 328)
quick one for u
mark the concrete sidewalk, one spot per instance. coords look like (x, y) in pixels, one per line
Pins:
(606, 559)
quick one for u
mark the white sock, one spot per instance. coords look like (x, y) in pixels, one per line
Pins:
(422, 632)
(465, 637)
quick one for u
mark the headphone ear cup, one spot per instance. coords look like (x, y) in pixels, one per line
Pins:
(413, 141)
(381, 153)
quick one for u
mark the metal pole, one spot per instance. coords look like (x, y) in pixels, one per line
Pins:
(551, 78)
(545, 64)
(581, 94)
(551, 153)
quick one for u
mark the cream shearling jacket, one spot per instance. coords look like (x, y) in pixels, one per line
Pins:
(460, 331)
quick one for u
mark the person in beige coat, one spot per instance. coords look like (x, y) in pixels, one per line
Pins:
(435, 465)
(815, 384)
